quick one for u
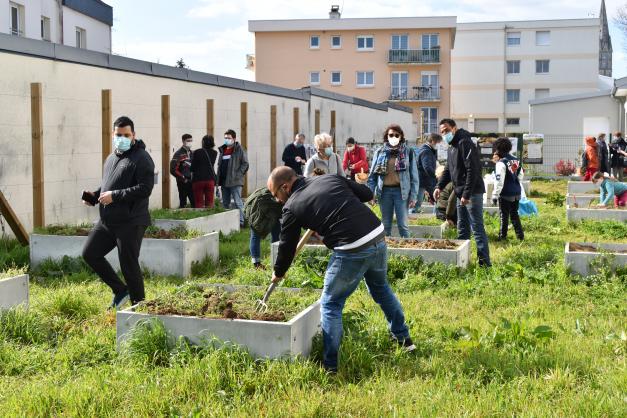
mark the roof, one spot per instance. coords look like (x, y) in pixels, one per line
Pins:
(372, 23)
(571, 97)
(529, 24)
(95, 9)
(620, 87)
(47, 50)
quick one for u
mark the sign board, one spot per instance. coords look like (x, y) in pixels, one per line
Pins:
(532, 148)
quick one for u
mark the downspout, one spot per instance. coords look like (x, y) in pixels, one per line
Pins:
(504, 95)
(60, 5)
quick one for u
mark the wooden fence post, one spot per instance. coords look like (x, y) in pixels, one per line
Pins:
(37, 134)
(165, 151)
(332, 132)
(107, 124)
(296, 120)
(244, 139)
(317, 122)
(13, 221)
(273, 149)
(210, 120)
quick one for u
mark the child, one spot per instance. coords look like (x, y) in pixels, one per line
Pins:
(590, 159)
(507, 189)
(610, 188)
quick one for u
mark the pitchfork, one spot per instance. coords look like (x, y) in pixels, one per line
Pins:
(261, 306)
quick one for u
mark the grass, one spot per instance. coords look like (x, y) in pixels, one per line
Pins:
(152, 231)
(524, 338)
(184, 214)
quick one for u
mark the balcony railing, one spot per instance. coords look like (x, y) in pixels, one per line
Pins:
(414, 56)
(415, 94)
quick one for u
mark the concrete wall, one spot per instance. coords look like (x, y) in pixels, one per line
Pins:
(72, 126)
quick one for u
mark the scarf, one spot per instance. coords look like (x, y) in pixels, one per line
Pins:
(381, 164)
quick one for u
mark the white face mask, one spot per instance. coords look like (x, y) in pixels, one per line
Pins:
(393, 140)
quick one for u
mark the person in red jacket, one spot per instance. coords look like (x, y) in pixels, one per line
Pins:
(354, 158)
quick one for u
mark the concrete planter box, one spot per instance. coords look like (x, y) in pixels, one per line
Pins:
(491, 210)
(580, 187)
(422, 231)
(583, 200)
(169, 257)
(579, 261)
(225, 222)
(14, 291)
(578, 214)
(459, 256)
(261, 338)
(526, 185)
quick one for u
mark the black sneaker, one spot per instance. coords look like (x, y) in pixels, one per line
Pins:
(406, 344)
(119, 300)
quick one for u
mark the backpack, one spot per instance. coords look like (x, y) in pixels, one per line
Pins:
(261, 211)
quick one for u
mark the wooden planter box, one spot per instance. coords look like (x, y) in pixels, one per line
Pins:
(263, 339)
(14, 291)
(578, 214)
(459, 256)
(579, 261)
(225, 222)
(168, 257)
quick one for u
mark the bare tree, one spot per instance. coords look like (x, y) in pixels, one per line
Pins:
(621, 20)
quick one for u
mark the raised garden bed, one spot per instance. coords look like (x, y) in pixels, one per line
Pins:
(526, 184)
(169, 253)
(226, 312)
(596, 214)
(13, 291)
(580, 257)
(202, 220)
(582, 200)
(430, 227)
(450, 252)
(580, 187)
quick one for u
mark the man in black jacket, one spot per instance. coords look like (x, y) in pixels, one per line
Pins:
(294, 154)
(334, 207)
(604, 154)
(618, 154)
(181, 169)
(463, 168)
(127, 181)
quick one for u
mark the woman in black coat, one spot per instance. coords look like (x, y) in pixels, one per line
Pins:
(203, 173)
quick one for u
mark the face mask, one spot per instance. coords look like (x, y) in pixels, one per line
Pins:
(393, 140)
(298, 145)
(188, 144)
(121, 143)
(328, 151)
(448, 137)
(228, 142)
(350, 149)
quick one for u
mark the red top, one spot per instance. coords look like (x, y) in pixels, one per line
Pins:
(356, 157)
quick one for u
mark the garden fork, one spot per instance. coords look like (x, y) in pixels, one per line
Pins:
(262, 304)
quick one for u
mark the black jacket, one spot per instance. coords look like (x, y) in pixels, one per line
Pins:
(130, 176)
(463, 166)
(289, 157)
(427, 161)
(330, 205)
(604, 157)
(617, 144)
(203, 163)
(184, 171)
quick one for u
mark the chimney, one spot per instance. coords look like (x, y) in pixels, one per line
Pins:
(335, 12)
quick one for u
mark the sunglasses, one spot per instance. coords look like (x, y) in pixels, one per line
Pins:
(394, 135)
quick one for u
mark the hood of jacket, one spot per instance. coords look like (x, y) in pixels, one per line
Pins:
(591, 141)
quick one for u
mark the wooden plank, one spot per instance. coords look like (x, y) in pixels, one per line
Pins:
(12, 220)
(210, 120)
(37, 134)
(273, 149)
(296, 120)
(107, 124)
(317, 122)
(244, 139)
(165, 151)
(332, 130)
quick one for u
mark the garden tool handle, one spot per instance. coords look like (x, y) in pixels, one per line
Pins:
(303, 241)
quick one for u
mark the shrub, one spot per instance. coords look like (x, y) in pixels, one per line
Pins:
(565, 168)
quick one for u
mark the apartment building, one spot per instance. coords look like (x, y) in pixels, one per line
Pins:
(401, 60)
(82, 24)
(498, 67)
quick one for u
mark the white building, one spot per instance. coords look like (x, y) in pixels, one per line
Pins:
(79, 23)
(498, 67)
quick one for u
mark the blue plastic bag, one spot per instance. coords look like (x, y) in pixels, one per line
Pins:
(527, 207)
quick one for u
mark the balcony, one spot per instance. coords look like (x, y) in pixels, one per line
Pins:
(415, 94)
(414, 56)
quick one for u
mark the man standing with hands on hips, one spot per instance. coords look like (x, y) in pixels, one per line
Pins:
(122, 198)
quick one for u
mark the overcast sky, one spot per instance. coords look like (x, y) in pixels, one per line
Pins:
(212, 35)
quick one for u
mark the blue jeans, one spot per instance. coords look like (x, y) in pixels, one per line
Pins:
(470, 217)
(236, 193)
(391, 202)
(344, 272)
(255, 242)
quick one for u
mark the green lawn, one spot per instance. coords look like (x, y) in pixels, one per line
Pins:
(521, 339)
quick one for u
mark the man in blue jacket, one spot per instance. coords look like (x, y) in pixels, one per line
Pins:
(427, 161)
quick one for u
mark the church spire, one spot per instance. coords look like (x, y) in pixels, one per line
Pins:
(605, 44)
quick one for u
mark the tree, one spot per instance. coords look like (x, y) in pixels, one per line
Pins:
(181, 64)
(621, 20)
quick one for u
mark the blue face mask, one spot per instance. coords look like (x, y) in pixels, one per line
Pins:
(298, 145)
(448, 137)
(121, 143)
(328, 151)
(228, 142)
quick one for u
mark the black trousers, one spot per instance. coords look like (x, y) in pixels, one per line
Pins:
(185, 193)
(508, 209)
(128, 240)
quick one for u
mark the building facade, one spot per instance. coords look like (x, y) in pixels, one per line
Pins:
(82, 24)
(400, 60)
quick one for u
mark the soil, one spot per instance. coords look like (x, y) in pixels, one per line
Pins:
(440, 244)
(83, 231)
(591, 249)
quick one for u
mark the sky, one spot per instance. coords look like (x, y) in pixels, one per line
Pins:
(212, 35)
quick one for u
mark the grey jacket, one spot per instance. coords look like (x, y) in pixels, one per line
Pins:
(238, 166)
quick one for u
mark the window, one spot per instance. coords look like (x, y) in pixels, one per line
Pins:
(314, 42)
(543, 38)
(513, 67)
(400, 42)
(513, 121)
(45, 28)
(365, 78)
(542, 93)
(399, 85)
(336, 42)
(429, 120)
(314, 78)
(513, 96)
(430, 41)
(80, 38)
(365, 43)
(336, 78)
(513, 38)
(542, 66)
(17, 19)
